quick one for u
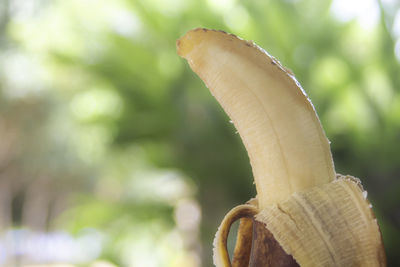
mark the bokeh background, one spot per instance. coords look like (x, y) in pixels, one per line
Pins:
(113, 153)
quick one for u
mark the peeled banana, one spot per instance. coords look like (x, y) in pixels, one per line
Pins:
(317, 218)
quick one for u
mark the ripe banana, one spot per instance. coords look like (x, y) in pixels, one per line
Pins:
(317, 217)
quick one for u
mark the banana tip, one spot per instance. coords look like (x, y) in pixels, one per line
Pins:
(191, 39)
(186, 43)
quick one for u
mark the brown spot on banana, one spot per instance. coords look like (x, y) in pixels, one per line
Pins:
(266, 251)
(244, 239)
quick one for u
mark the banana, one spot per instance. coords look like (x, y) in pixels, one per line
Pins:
(317, 217)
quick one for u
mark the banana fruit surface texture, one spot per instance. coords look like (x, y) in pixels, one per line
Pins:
(318, 217)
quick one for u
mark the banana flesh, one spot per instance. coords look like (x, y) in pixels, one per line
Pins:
(317, 217)
(286, 144)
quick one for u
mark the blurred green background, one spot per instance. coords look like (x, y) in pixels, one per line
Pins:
(113, 153)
